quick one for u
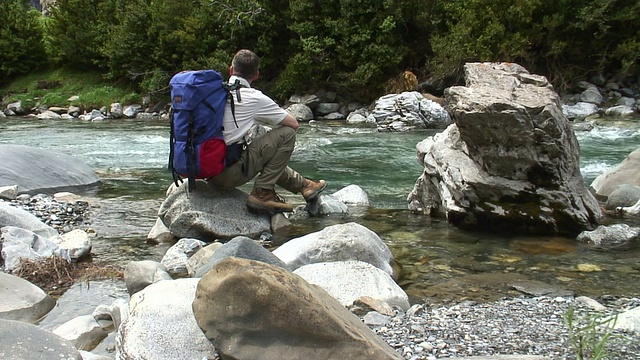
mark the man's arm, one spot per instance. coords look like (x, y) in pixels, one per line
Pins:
(290, 121)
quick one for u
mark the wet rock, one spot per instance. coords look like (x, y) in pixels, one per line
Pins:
(538, 288)
(611, 235)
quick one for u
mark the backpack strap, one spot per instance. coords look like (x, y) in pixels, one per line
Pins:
(174, 174)
(231, 87)
(191, 153)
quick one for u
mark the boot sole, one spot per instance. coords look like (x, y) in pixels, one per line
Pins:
(264, 208)
(315, 194)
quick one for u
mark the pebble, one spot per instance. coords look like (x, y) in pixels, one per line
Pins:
(62, 216)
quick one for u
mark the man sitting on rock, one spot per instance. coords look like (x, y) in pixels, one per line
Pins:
(266, 156)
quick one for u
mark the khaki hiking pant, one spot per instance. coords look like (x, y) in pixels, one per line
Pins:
(268, 156)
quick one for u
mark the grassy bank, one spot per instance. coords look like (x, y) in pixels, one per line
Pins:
(54, 87)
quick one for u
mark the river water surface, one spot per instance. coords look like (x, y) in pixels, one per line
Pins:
(439, 262)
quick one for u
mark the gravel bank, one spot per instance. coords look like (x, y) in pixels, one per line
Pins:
(61, 215)
(519, 326)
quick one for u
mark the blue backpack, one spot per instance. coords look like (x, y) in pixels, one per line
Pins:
(198, 100)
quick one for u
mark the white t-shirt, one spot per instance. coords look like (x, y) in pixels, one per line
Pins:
(255, 106)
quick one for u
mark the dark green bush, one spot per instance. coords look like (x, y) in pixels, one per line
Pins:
(21, 39)
(563, 39)
(76, 31)
(350, 46)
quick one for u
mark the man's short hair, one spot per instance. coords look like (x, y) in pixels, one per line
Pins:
(245, 64)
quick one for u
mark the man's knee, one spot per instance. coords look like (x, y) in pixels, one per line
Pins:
(287, 132)
(287, 136)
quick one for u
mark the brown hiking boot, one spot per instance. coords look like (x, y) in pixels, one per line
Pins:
(312, 189)
(267, 200)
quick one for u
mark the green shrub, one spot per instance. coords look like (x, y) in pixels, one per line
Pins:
(355, 44)
(21, 39)
(76, 31)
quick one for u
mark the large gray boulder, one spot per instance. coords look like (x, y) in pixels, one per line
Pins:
(510, 162)
(37, 170)
(627, 172)
(161, 324)
(208, 213)
(21, 300)
(20, 340)
(253, 310)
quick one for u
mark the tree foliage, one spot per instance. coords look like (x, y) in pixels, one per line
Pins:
(76, 31)
(21, 39)
(564, 39)
(353, 44)
(349, 46)
(150, 40)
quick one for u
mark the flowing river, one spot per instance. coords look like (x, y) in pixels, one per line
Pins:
(439, 261)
